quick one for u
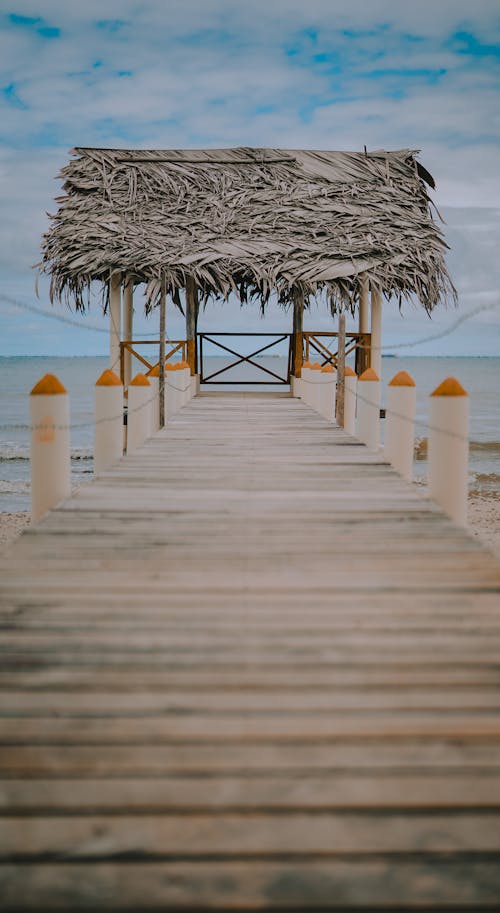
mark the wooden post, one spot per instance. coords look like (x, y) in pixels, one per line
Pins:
(161, 357)
(400, 423)
(449, 448)
(376, 331)
(50, 445)
(108, 421)
(341, 372)
(128, 320)
(139, 412)
(298, 322)
(362, 356)
(115, 290)
(368, 409)
(192, 308)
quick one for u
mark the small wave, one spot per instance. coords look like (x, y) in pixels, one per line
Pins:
(15, 487)
(491, 477)
(11, 454)
(486, 446)
(8, 453)
(422, 445)
(13, 426)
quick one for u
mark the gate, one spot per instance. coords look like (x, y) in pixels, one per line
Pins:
(210, 373)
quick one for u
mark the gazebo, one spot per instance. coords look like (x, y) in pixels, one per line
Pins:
(356, 226)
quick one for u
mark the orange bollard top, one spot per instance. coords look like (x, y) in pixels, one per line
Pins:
(169, 366)
(402, 379)
(183, 364)
(450, 387)
(108, 378)
(306, 364)
(369, 374)
(315, 366)
(154, 372)
(49, 385)
(140, 380)
(349, 372)
(328, 369)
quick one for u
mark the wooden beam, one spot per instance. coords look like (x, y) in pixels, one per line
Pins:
(115, 294)
(128, 319)
(161, 358)
(298, 322)
(341, 372)
(363, 354)
(192, 309)
(376, 331)
(364, 310)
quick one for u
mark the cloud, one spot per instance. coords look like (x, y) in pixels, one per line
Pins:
(327, 73)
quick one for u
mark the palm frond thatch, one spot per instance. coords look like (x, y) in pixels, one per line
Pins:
(248, 221)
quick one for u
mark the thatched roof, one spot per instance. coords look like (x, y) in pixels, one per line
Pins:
(248, 221)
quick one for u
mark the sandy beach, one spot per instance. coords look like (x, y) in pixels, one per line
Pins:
(484, 522)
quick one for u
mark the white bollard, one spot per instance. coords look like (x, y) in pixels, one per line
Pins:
(185, 373)
(171, 390)
(368, 409)
(50, 445)
(314, 385)
(296, 386)
(139, 412)
(304, 381)
(449, 448)
(154, 379)
(400, 411)
(350, 389)
(327, 392)
(108, 421)
(194, 385)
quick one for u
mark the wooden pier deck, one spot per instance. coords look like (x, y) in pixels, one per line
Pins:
(249, 668)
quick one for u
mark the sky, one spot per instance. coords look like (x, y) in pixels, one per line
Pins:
(331, 74)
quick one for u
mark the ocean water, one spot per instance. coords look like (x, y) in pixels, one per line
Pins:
(479, 376)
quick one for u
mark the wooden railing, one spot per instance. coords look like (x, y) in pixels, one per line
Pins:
(359, 343)
(177, 345)
(314, 344)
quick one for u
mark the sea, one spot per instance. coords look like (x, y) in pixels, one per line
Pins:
(479, 376)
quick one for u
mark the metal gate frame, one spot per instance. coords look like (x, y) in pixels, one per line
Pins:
(209, 337)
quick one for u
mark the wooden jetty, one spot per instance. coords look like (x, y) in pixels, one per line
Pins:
(249, 668)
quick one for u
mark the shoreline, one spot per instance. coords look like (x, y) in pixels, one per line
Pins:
(483, 522)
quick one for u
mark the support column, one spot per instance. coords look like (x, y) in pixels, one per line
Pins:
(362, 354)
(376, 331)
(192, 309)
(128, 331)
(115, 323)
(297, 339)
(364, 324)
(341, 372)
(161, 354)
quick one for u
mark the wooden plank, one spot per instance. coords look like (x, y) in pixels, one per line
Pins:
(248, 727)
(294, 700)
(461, 883)
(149, 759)
(265, 834)
(162, 795)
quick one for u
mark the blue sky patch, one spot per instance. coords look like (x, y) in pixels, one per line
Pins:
(427, 74)
(466, 43)
(34, 24)
(12, 98)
